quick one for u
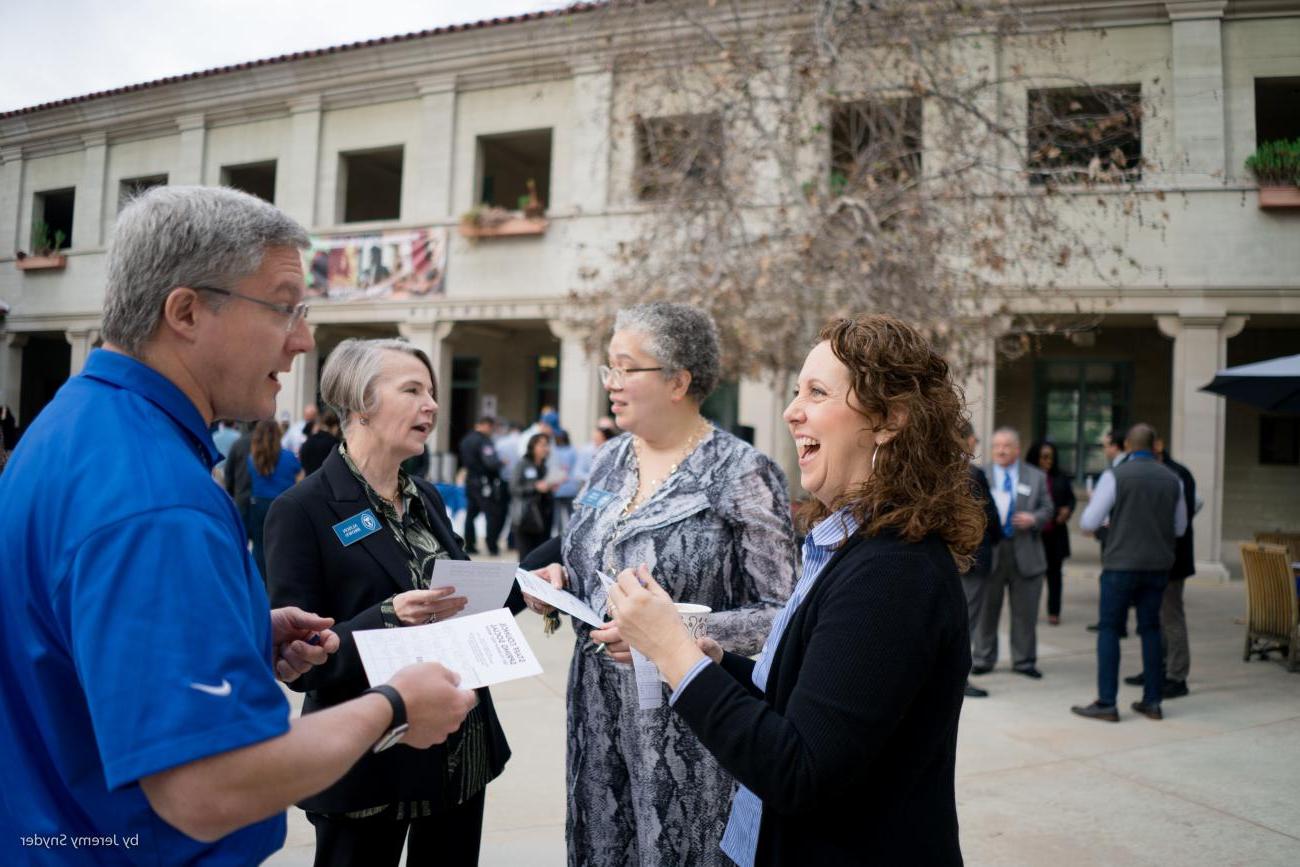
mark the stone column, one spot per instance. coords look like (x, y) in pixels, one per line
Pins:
(11, 199)
(295, 185)
(430, 196)
(980, 386)
(587, 185)
(11, 371)
(82, 340)
(88, 208)
(579, 383)
(1198, 91)
(431, 337)
(762, 402)
(1196, 439)
(189, 164)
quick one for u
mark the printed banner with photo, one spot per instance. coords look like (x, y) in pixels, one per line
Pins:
(409, 263)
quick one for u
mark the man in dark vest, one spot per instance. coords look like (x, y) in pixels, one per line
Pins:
(1147, 512)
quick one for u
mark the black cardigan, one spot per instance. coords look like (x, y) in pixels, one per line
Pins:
(853, 747)
(309, 567)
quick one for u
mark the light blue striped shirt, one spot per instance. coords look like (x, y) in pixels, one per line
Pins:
(740, 840)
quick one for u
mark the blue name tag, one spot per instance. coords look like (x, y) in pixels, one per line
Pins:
(595, 498)
(357, 527)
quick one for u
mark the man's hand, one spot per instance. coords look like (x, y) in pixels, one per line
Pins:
(435, 705)
(301, 640)
(1024, 521)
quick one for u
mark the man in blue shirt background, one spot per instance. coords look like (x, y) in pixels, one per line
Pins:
(140, 718)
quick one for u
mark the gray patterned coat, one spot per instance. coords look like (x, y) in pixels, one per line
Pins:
(717, 533)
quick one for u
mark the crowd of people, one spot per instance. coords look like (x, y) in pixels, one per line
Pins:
(815, 723)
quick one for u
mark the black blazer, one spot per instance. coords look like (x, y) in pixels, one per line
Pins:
(853, 747)
(309, 567)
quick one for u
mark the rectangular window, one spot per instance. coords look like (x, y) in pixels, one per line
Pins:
(1085, 135)
(129, 188)
(875, 141)
(1075, 403)
(1277, 109)
(371, 183)
(1279, 440)
(52, 220)
(509, 163)
(678, 155)
(256, 179)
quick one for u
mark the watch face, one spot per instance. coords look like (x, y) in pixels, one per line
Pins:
(390, 737)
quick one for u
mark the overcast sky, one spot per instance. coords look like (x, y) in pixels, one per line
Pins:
(65, 48)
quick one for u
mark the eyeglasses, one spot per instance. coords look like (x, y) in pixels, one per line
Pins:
(296, 312)
(614, 377)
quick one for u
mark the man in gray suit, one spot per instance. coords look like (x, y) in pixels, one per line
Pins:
(1019, 562)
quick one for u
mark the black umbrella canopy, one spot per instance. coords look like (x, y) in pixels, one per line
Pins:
(1273, 385)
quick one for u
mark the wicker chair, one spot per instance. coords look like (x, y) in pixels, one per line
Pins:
(1272, 607)
(1290, 541)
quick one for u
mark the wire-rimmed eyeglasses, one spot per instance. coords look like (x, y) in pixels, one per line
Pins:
(614, 377)
(296, 312)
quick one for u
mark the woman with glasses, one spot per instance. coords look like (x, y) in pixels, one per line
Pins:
(711, 516)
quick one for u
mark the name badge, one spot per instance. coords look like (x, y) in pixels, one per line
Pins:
(595, 498)
(357, 527)
(1022, 489)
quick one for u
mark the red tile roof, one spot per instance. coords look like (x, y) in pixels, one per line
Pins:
(316, 52)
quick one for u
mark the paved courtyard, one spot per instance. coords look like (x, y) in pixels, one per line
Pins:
(1215, 783)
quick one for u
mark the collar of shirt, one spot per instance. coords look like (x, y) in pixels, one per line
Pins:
(1142, 454)
(127, 373)
(831, 532)
(405, 488)
(1011, 470)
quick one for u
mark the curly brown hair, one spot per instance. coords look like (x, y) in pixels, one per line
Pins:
(921, 480)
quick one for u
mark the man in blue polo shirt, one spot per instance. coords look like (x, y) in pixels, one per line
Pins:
(140, 718)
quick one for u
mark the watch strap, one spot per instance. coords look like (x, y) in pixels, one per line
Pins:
(398, 726)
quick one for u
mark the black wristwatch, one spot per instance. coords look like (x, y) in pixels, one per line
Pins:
(398, 729)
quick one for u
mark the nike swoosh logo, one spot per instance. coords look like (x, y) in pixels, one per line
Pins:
(220, 691)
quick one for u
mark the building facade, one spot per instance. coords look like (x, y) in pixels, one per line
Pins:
(380, 149)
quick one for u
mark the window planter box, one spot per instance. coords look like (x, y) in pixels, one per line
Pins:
(1279, 197)
(514, 227)
(55, 262)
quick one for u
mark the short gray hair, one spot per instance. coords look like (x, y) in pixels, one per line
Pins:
(184, 236)
(1008, 430)
(679, 337)
(348, 382)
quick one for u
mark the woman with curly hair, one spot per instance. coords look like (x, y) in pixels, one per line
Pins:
(843, 734)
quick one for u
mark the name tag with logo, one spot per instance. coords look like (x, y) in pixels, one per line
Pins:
(595, 498)
(357, 527)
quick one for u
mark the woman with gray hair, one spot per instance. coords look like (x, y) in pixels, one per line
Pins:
(711, 516)
(357, 541)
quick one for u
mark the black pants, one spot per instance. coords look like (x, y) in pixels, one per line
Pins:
(1054, 564)
(489, 505)
(448, 838)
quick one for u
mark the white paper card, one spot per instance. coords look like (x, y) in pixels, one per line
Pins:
(485, 585)
(482, 648)
(649, 685)
(561, 599)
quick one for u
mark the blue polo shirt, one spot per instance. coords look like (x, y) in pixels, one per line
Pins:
(134, 627)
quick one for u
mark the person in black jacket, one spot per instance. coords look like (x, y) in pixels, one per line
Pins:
(482, 466)
(320, 442)
(375, 577)
(1056, 532)
(843, 735)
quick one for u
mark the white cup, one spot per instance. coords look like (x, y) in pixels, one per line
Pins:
(695, 617)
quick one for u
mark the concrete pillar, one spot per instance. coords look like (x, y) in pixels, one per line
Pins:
(88, 208)
(296, 182)
(11, 372)
(761, 403)
(1199, 110)
(429, 195)
(431, 337)
(1196, 439)
(980, 386)
(82, 340)
(588, 176)
(580, 388)
(11, 199)
(189, 163)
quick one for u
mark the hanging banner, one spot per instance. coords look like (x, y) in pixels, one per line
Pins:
(409, 263)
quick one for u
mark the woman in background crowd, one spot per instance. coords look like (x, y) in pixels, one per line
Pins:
(273, 470)
(1056, 533)
(534, 501)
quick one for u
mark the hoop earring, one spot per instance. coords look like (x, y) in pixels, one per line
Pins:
(874, 452)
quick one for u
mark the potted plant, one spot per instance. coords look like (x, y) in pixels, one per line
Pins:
(489, 221)
(1276, 166)
(45, 249)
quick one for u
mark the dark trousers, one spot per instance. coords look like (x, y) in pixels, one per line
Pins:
(448, 838)
(525, 542)
(1144, 591)
(257, 510)
(1054, 563)
(489, 505)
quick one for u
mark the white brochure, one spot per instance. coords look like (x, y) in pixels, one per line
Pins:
(482, 648)
(485, 585)
(649, 684)
(561, 599)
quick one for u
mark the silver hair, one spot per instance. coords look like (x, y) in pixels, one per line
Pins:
(348, 382)
(1008, 430)
(184, 236)
(679, 337)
